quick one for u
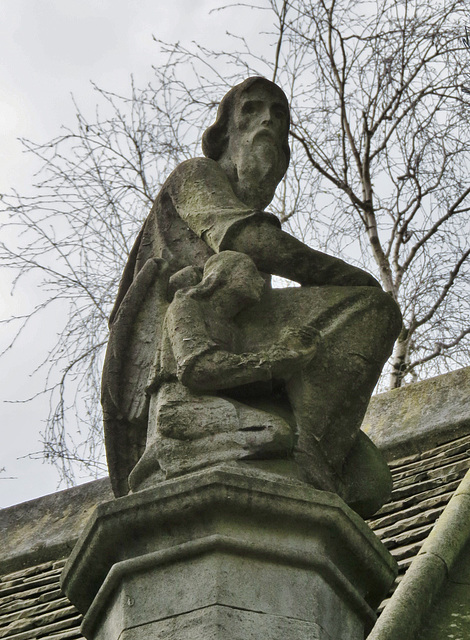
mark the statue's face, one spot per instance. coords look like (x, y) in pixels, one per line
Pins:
(255, 159)
(260, 113)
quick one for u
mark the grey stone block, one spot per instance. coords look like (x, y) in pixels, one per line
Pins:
(231, 550)
(47, 528)
(218, 622)
(420, 416)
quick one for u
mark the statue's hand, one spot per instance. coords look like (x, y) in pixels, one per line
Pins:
(295, 348)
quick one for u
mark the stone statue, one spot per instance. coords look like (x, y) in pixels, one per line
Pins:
(226, 368)
(193, 420)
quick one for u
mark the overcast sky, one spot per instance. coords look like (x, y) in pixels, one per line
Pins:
(49, 50)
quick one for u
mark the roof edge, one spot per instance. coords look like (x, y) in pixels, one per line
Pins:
(47, 528)
(420, 416)
(405, 612)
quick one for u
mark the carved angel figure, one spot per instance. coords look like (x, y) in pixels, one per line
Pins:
(215, 205)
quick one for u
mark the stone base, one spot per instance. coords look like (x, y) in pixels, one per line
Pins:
(229, 553)
(217, 622)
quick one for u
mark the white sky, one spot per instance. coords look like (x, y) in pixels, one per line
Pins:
(50, 49)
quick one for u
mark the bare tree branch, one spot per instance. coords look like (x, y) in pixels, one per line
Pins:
(379, 176)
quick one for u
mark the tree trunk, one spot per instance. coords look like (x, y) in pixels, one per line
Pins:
(400, 359)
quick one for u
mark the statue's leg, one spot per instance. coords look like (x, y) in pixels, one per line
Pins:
(330, 395)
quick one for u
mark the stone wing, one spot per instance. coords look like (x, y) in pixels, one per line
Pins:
(134, 339)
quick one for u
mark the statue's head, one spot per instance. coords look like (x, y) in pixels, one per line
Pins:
(249, 139)
(231, 276)
(216, 137)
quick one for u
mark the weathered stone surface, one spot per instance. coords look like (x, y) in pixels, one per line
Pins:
(218, 623)
(20, 594)
(230, 369)
(231, 537)
(420, 416)
(190, 424)
(228, 580)
(47, 528)
(450, 615)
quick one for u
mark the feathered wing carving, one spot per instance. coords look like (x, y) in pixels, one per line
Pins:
(134, 340)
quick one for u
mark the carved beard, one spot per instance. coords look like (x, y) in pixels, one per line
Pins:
(260, 166)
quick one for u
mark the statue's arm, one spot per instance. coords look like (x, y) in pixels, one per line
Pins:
(275, 251)
(219, 369)
(202, 365)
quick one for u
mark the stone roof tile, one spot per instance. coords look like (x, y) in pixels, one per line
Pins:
(33, 606)
(423, 485)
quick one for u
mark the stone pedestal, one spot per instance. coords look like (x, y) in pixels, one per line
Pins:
(229, 553)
